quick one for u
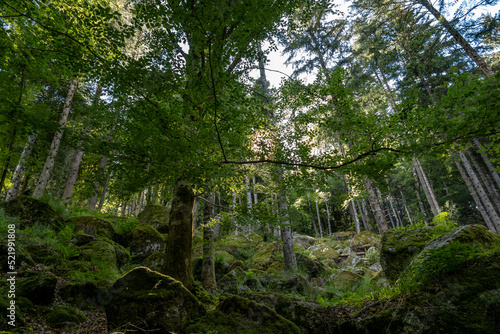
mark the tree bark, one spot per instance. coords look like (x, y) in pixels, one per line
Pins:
(286, 237)
(313, 220)
(21, 168)
(495, 220)
(489, 165)
(426, 185)
(56, 141)
(417, 192)
(180, 237)
(406, 207)
(493, 195)
(77, 159)
(208, 265)
(469, 50)
(475, 197)
(319, 220)
(354, 214)
(377, 210)
(328, 217)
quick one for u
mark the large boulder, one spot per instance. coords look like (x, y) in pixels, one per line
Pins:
(308, 316)
(304, 241)
(238, 244)
(232, 280)
(31, 211)
(399, 247)
(99, 251)
(85, 296)
(94, 226)
(155, 216)
(235, 314)
(63, 316)
(344, 279)
(323, 252)
(151, 301)
(311, 267)
(23, 257)
(364, 240)
(39, 288)
(267, 253)
(143, 241)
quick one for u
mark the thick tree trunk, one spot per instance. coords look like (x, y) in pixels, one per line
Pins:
(180, 237)
(489, 165)
(469, 50)
(286, 237)
(475, 196)
(21, 168)
(426, 185)
(480, 191)
(56, 141)
(208, 265)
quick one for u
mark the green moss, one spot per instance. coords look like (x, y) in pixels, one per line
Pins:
(323, 252)
(39, 288)
(94, 226)
(143, 241)
(63, 316)
(267, 254)
(240, 315)
(155, 261)
(156, 216)
(364, 240)
(31, 211)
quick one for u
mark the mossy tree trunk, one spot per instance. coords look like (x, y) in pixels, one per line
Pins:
(286, 236)
(180, 237)
(21, 168)
(208, 266)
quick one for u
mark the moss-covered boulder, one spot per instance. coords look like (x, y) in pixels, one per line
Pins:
(323, 252)
(311, 267)
(143, 241)
(151, 301)
(23, 256)
(155, 261)
(235, 314)
(364, 240)
(276, 268)
(304, 241)
(80, 239)
(122, 254)
(11, 315)
(297, 283)
(344, 235)
(85, 296)
(352, 261)
(63, 316)
(234, 243)
(399, 247)
(310, 317)
(100, 251)
(155, 216)
(31, 211)
(344, 279)
(94, 226)
(39, 288)
(43, 253)
(222, 256)
(232, 280)
(266, 254)
(221, 269)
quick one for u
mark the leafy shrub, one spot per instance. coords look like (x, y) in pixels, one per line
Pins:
(125, 226)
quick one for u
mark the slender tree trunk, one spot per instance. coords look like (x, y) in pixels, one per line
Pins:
(319, 220)
(354, 214)
(395, 214)
(426, 185)
(104, 190)
(365, 215)
(249, 227)
(469, 50)
(480, 191)
(21, 168)
(237, 227)
(180, 237)
(316, 234)
(475, 197)
(406, 207)
(490, 188)
(489, 165)
(208, 265)
(417, 192)
(77, 159)
(376, 208)
(56, 141)
(328, 218)
(286, 236)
